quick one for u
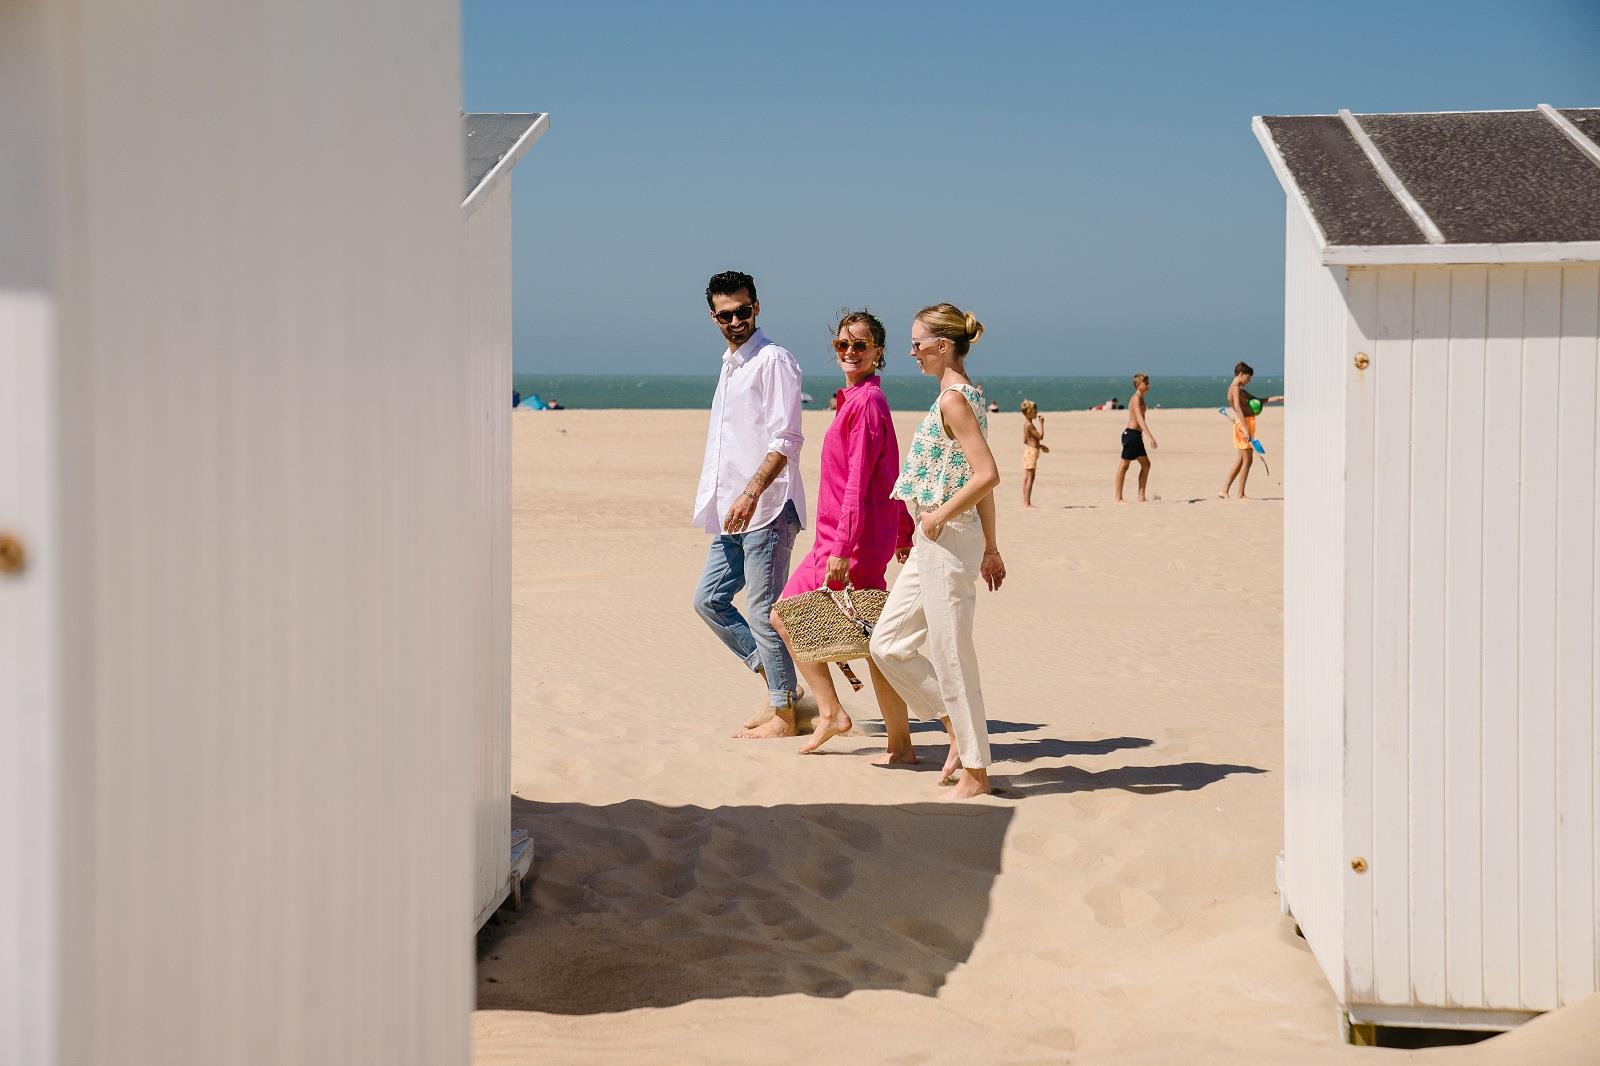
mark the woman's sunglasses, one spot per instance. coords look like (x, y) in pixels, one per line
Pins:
(844, 347)
(740, 313)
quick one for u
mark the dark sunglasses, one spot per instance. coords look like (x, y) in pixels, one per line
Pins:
(842, 347)
(738, 314)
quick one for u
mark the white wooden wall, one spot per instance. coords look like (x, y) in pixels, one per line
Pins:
(256, 414)
(486, 362)
(1470, 636)
(1314, 443)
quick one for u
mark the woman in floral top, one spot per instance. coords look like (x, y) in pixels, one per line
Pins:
(923, 641)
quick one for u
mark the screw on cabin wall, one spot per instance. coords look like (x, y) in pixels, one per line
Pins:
(1358, 864)
(12, 556)
(1362, 362)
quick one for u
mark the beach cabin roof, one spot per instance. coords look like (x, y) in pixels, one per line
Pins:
(1445, 187)
(493, 144)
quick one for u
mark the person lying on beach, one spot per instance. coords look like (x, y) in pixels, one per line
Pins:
(923, 641)
(1133, 439)
(1032, 445)
(750, 498)
(859, 526)
(1242, 408)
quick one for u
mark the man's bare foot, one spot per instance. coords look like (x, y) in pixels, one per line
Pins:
(968, 786)
(907, 757)
(767, 712)
(825, 730)
(773, 728)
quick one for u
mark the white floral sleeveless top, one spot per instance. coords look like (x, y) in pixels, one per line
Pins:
(936, 466)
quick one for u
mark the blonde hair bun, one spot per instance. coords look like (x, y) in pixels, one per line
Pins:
(974, 328)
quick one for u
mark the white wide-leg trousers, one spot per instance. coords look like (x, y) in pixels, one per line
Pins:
(923, 640)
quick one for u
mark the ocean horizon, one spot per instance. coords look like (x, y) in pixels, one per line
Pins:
(904, 392)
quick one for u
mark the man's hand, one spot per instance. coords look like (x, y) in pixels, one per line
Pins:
(1153, 442)
(838, 571)
(738, 519)
(993, 570)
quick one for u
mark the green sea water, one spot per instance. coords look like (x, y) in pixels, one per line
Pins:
(904, 392)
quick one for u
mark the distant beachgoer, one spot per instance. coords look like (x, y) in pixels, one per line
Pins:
(1241, 409)
(859, 527)
(1032, 445)
(836, 401)
(750, 497)
(923, 642)
(1134, 438)
(516, 398)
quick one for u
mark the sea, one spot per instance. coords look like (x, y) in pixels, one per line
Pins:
(904, 392)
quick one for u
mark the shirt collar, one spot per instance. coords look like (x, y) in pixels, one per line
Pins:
(870, 379)
(745, 351)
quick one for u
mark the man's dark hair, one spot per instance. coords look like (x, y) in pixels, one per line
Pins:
(1243, 367)
(729, 282)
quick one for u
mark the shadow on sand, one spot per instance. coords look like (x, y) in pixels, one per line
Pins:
(1148, 780)
(640, 905)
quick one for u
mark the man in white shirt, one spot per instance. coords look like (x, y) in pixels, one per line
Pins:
(750, 497)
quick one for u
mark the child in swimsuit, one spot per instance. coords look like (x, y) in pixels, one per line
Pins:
(1133, 439)
(1242, 408)
(1032, 445)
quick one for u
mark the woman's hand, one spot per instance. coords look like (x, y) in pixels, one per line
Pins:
(993, 570)
(932, 524)
(838, 572)
(902, 553)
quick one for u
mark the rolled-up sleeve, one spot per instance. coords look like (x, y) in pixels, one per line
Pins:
(783, 409)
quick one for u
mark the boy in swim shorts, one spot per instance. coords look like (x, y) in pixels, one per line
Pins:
(1242, 408)
(1133, 438)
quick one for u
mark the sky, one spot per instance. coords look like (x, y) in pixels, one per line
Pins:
(1081, 176)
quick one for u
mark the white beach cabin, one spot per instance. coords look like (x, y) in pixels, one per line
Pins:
(1440, 641)
(246, 522)
(493, 143)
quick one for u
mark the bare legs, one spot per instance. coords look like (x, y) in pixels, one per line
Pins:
(969, 782)
(896, 722)
(1027, 488)
(1144, 476)
(1241, 470)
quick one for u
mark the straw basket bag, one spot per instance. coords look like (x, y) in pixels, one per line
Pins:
(831, 625)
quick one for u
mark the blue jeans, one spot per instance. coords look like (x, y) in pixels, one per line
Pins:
(757, 562)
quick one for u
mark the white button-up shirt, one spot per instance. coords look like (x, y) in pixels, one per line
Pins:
(756, 411)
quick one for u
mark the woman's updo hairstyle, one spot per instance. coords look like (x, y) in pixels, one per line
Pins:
(874, 327)
(953, 324)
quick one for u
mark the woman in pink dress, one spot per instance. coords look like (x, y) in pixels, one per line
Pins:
(859, 526)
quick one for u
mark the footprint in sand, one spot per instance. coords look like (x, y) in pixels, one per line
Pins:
(739, 858)
(1119, 907)
(830, 878)
(931, 935)
(667, 877)
(858, 835)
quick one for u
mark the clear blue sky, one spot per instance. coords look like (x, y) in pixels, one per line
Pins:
(1082, 176)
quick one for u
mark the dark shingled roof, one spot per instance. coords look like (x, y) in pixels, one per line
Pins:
(487, 138)
(1349, 200)
(1487, 177)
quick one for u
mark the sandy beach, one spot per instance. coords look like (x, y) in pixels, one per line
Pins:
(702, 899)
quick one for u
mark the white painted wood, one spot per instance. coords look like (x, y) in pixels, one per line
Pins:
(1572, 133)
(486, 360)
(1536, 659)
(1390, 179)
(1430, 390)
(1501, 599)
(1575, 634)
(1391, 580)
(1463, 630)
(1360, 817)
(1313, 617)
(1461, 254)
(263, 595)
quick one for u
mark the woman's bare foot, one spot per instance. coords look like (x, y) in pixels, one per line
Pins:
(781, 724)
(906, 757)
(971, 783)
(826, 729)
(952, 765)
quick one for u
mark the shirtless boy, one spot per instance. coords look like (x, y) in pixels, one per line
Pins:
(1242, 408)
(1133, 438)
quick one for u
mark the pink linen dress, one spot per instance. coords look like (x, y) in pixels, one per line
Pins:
(856, 518)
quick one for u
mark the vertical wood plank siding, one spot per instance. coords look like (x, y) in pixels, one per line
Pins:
(1313, 606)
(487, 363)
(1471, 636)
(270, 571)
